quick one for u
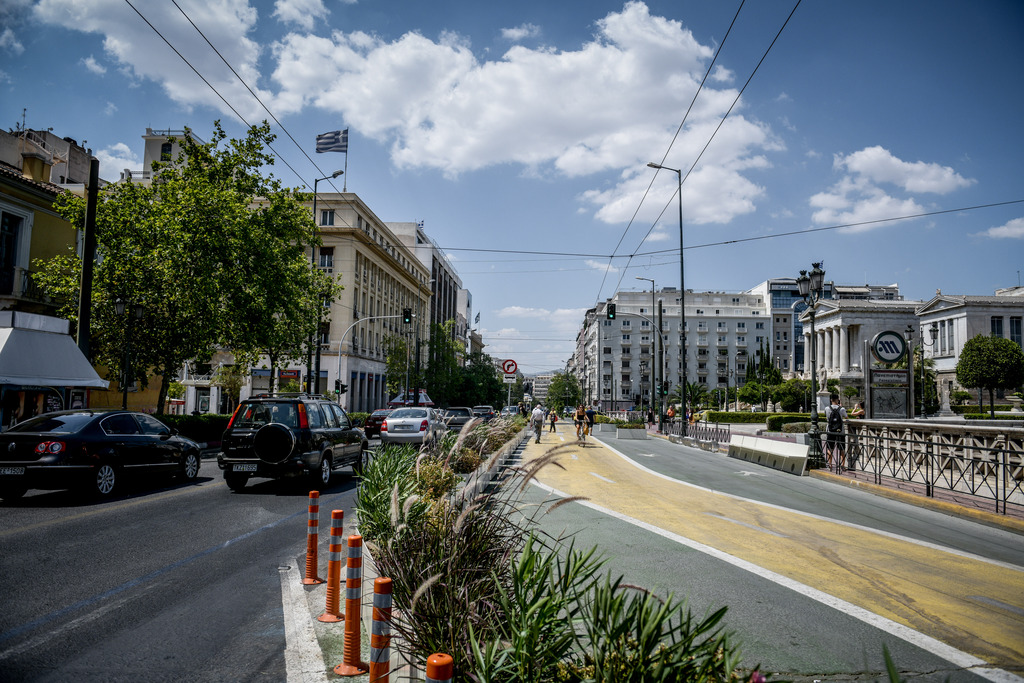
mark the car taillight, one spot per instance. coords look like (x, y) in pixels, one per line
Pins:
(423, 426)
(384, 426)
(50, 447)
(303, 419)
(233, 415)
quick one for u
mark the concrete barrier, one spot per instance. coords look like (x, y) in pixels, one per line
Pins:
(786, 456)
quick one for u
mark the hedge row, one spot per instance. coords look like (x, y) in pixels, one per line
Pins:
(973, 408)
(986, 416)
(775, 421)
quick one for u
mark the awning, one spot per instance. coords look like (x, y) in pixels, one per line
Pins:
(47, 359)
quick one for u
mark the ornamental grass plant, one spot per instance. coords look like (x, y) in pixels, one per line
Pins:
(480, 581)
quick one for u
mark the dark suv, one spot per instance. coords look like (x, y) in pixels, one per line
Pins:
(289, 436)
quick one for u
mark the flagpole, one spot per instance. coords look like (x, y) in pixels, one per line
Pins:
(344, 186)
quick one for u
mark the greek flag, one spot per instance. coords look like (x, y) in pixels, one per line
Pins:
(477, 322)
(335, 141)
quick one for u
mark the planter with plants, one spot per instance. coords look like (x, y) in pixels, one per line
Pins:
(631, 430)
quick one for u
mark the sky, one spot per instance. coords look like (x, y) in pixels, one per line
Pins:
(884, 139)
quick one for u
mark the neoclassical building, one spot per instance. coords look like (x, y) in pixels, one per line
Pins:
(843, 330)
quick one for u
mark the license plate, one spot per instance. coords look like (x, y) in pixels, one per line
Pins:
(12, 470)
(403, 428)
(244, 468)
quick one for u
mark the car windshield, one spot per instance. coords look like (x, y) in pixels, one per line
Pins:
(459, 412)
(381, 413)
(408, 413)
(264, 412)
(59, 424)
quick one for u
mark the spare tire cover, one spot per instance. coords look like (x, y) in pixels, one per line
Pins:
(273, 443)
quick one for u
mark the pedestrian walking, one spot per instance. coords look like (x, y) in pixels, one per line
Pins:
(553, 417)
(537, 420)
(650, 419)
(835, 416)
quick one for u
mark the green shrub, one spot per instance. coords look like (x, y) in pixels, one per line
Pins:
(796, 427)
(738, 417)
(465, 461)
(973, 408)
(775, 421)
(632, 425)
(358, 419)
(434, 479)
(206, 428)
(987, 416)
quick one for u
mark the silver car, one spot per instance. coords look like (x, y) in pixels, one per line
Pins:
(413, 425)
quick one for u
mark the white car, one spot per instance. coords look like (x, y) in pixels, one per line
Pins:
(413, 425)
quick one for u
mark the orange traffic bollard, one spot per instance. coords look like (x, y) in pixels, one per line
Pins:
(332, 612)
(351, 665)
(312, 540)
(380, 636)
(440, 668)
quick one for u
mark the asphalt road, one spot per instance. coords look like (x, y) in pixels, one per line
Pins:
(817, 577)
(169, 582)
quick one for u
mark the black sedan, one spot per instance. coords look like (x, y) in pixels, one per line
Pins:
(372, 425)
(91, 449)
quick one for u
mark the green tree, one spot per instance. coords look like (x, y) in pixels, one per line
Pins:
(990, 363)
(481, 384)
(564, 390)
(441, 377)
(791, 395)
(213, 252)
(230, 378)
(397, 363)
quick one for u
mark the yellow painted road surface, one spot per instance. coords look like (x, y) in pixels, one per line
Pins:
(974, 606)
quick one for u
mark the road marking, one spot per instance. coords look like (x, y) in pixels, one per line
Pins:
(957, 657)
(811, 515)
(303, 659)
(602, 478)
(749, 526)
(745, 473)
(647, 455)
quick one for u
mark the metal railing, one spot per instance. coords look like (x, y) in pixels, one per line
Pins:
(701, 431)
(985, 462)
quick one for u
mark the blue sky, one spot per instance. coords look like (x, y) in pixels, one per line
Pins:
(527, 127)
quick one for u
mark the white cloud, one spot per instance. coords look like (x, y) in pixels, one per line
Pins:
(301, 13)
(92, 65)
(722, 75)
(115, 159)
(10, 42)
(600, 266)
(878, 165)
(858, 196)
(110, 109)
(1013, 229)
(520, 32)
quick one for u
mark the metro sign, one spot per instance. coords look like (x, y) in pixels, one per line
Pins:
(889, 347)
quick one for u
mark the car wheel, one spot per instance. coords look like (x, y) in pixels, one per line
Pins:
(236, 482)
(364, 459)
(323, 474)
(105, 480)
(12, 491)
(190, 466)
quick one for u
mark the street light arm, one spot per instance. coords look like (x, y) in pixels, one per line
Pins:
(341, 344)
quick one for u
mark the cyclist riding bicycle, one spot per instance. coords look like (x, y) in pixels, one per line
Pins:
(579, 418)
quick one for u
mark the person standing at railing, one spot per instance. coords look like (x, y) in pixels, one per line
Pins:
(835, 419)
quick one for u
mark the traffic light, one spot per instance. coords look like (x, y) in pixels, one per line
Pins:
(664, 388)
(342, 387)
(407, 316)
(611, 311)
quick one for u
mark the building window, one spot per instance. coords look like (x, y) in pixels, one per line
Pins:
(758, 326)
(997, 326)
(327, 217)
(949, 337)
(165, 151)
(326, 257)
(1015, 331)
(741, 327)
(10, 227)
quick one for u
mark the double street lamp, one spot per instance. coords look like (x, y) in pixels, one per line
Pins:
(682, 287)
(811, 288)
(933, 332)
(122, 306)
(655, 333)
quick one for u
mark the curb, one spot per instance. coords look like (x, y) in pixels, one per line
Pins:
(954, 509)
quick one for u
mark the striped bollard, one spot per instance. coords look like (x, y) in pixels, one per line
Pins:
(440, 668)
(332, 612)
(312, 540)
(351, 665)
(380, 636)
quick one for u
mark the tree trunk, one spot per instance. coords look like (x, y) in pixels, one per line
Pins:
(992, 402)
(161, 399)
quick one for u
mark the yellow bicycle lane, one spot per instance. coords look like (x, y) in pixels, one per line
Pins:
(974, 606)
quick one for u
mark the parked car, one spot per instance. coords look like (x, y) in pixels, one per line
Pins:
(509, 411)
(486, 412)
(289, 436)
(90, 449)
(456, 418)
(372, 425)
(412, 425)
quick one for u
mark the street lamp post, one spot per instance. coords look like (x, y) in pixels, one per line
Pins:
(319, 313)
(933, 332)
(121, 306)
(811, 290)
(682, 288)
(655, 333)
(341, 344)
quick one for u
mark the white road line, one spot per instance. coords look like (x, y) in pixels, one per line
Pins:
(811, 515)
(936, 647)
(749, 526)
(595, 474)
(303, 659)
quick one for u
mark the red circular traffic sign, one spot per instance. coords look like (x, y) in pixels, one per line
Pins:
(509, 366)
